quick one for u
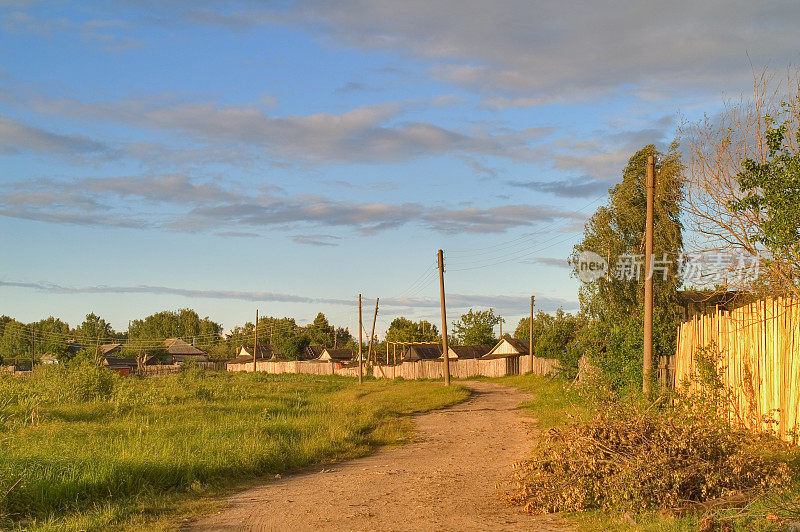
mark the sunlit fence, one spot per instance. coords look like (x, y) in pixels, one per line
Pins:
(421, 369)
(758, 361)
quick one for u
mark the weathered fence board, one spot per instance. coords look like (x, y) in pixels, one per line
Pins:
(759, 359)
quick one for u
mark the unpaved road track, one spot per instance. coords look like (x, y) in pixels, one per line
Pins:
(452, 477)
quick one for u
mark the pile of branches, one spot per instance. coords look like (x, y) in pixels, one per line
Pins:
(633, 457)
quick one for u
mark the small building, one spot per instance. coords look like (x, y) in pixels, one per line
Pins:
(509, 347)
(468, 351)
(179, 351)
(123, 366)
(244, 354)
(49, 360)
(336, 355)
(313, 352)
(416, 352)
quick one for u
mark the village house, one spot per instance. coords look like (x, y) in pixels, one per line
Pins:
(509, 347)
(244, 354)
(123, 366)
(49, 359)
(110, 349)
(416, 352)
(468, 351)
(180, 352)
(313, 352)
(336, 355)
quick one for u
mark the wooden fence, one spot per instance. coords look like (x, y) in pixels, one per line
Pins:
(299, 366)
(170, 369)
(421, 369)
(759, 360)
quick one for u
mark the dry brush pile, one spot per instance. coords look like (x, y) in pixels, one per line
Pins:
(634, 458)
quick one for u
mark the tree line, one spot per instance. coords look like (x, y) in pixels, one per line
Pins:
(21, 343)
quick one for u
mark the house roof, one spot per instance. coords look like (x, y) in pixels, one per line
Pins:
(338, 354)
(423, 352)
(264, 351)
(470, 351)
(108, 348)
(120, 362)
(244, 354)
(520, 346)
(176, 346)
(314, 351)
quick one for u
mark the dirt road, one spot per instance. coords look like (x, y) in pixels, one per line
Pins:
(452, 477)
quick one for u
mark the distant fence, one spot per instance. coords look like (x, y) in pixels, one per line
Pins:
(760, 359)
(170, 369)
(298, 366)
(421, 369)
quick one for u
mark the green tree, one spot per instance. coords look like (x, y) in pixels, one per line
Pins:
(476, 328)
(94, 329)
(185, 324)
(404, 330)
(772, 195)
(50, 336)
(616, 231)
(320, 332)
(15, 343)
(554, 336)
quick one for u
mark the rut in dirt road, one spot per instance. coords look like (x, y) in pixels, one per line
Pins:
(454, 476)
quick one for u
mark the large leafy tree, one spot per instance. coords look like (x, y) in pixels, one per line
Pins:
(742, 190)
(771, 191)
(554, 335)
(185, 324)
(51, 337)
(320, 332)
(476, 327)
(15, 343)
(94, 329)
(404, 330)
(616, 232)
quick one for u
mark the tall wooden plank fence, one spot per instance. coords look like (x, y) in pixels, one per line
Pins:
(759, 360)
(421, 369)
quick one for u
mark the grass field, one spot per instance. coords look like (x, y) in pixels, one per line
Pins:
(86, 449)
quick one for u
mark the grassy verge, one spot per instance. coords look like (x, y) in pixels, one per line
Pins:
(94, 451)
(556, 401)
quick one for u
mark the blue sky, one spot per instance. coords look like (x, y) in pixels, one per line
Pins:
(228, 156)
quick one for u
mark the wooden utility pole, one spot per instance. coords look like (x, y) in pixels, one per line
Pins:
(445, 352)
(372, 334)
(530, 335)
(360, 341)
(255, 342)
(647, 367)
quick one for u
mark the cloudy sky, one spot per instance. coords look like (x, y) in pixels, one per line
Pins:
(280, 155)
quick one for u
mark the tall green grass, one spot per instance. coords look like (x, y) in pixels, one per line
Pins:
(85, 441)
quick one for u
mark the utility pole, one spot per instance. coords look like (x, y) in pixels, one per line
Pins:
(372, 334)
(360, 341)
(647, 367)
(255, 342)
(445, 350)
(530, 335)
